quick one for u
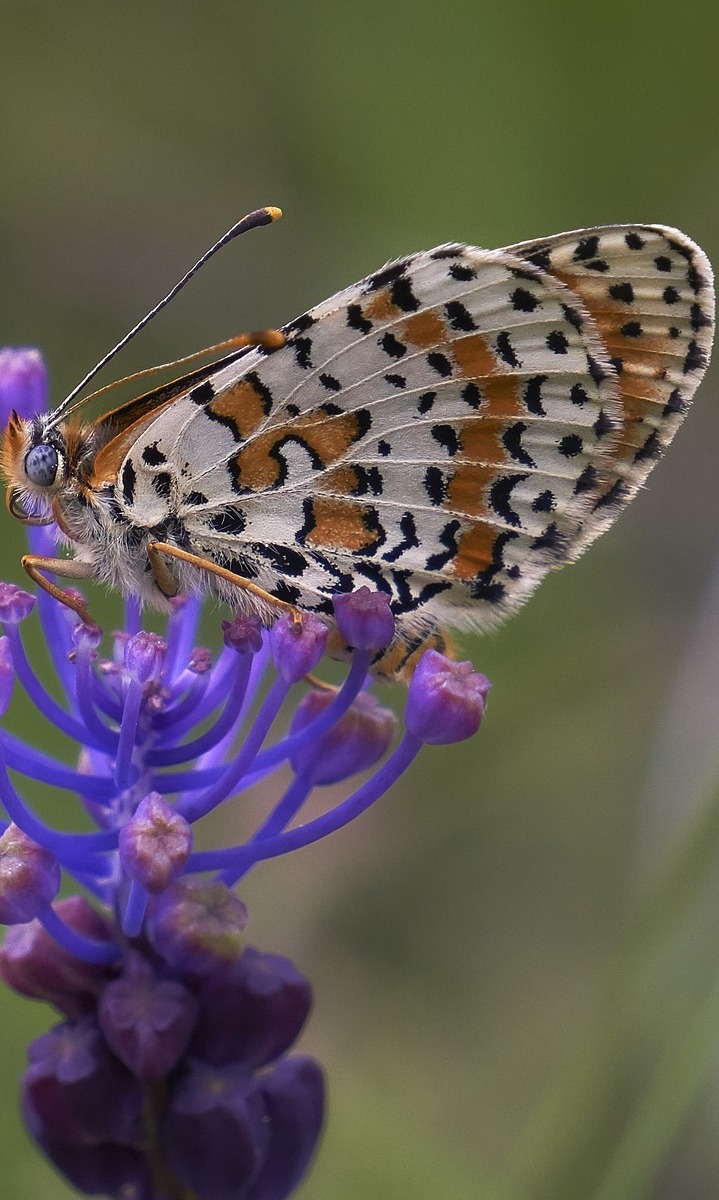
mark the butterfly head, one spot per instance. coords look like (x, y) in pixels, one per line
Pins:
(35, 464)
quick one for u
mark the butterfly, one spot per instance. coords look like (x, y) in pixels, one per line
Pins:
(448, 430)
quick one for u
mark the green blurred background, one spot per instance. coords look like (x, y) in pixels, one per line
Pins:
(494, 1020)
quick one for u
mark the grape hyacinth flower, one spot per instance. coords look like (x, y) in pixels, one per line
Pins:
(170, 1075)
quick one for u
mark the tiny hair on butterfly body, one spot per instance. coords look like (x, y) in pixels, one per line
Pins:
(447, 430)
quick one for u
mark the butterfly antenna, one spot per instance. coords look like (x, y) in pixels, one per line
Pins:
(261, 216)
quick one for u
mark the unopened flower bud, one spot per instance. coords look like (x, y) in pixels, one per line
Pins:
(360, 737)
(446, 699)
(294, 1094)
(252, 1011)
(29, 877)
(364, 618)
(34, 964)
(297, 643)
(196, 927)
(243, 634)
(155, 844)
(144, 656)
(147, 1020)
(15, 604)
(98, 1168)
(78, 1089)
(215, 1133)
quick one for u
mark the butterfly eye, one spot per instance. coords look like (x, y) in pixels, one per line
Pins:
(41, 465)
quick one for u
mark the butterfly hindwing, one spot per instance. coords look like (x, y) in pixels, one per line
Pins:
(448, 429)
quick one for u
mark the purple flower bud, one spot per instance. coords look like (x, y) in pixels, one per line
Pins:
(78, 1089)
(7, 676)
(200, 661)
(197, 927)
(364, 618)
(297, 645)
(251, 1012)
(23, 383)
(144, 656)
(15, 604)
(354, 744)
(294, 1095)
(155, 844)
(34, 964)
(243, 634)
(29, 877)
(215, 1133)
(103, 1168)
(446, 699)
(147, 1020)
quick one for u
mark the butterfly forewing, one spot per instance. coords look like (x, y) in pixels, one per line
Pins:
(447, 429)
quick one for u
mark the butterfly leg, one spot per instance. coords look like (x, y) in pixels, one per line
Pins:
(69, 568)
(166, 582)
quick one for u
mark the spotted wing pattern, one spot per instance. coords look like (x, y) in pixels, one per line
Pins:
(447, 429)
(650, 292)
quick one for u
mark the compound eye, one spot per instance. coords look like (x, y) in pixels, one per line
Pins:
(41, 465)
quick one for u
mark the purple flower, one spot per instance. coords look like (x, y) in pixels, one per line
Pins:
(175, 1039)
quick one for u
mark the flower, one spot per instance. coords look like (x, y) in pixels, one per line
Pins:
(172, 1070)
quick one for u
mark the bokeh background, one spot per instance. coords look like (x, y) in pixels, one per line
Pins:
(516, 995)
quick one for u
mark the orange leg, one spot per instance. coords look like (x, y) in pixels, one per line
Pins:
(69, 568)
(166, 582)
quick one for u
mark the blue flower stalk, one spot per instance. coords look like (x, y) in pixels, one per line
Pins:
(170, 1075)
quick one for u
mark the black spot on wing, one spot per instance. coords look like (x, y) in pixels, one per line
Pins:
(152, 456)
(425, 402)
(228, 521)
(440, 363)
(388, 274)
(532, 396)
(500, 495)
(523, 300)
(202, 393)
(695, 358)
(557, 342)
(435, 485)
(459, 317)
(392, 346)
(512, 440)
(462, 273)
(586, 248)
(284, 559)
(446, 437)
(402, 296)
(300, 324)
(624, 292)
(129, 482)
(162, 483)
(506, 350)
(357, 320)
(634, 241)
(195, 498)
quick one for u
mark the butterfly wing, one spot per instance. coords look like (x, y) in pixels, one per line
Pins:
(649, 290)
(448, 429)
